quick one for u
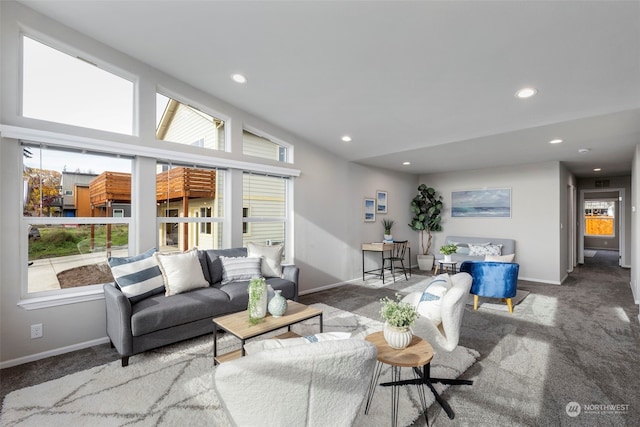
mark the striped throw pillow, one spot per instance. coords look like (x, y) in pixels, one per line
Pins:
(138, 276)
(240, 268)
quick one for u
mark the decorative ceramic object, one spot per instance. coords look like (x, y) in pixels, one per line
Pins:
(387, 224)
(397, 338)
(399, 317)
(257, 299)
(447, 258)
(270, 294)
(278, 305)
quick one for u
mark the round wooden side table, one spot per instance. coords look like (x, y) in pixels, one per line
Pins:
(417, 356)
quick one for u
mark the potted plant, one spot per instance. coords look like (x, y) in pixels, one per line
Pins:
(387, 224)
(426, 207)
(447, 250)
(399, 317)
(257, 307)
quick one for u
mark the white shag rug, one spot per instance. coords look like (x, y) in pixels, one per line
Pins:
(483, 303)
(173, 386)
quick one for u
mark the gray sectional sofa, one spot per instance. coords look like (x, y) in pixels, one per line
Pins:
(158, 320)
(508, 247)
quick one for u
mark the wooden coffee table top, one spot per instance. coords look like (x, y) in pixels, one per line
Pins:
(418, 353)
(238, 323)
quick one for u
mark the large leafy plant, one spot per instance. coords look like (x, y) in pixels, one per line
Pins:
(426, 207)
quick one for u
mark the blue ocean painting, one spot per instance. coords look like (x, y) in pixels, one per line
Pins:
(489, 203)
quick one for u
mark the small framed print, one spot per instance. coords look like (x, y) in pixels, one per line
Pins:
(381, 201)
(369, 210)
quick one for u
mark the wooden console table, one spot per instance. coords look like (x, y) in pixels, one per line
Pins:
(380, 248)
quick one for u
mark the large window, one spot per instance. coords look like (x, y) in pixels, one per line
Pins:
(76, 213)
(599, 218)
(184, 124)
(189, 207)
(67, 89)
(259, 146)
(265, 207)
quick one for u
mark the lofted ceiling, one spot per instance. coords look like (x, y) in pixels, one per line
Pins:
(429, 82)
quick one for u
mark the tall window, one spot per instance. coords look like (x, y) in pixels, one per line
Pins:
(184, 124)
(189, 207)
(67, 89)
(259, 146)
(265, 202)
(77, 213)
(599, 218)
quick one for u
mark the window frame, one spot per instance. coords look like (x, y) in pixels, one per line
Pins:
(161, 90)
(63, 48)
(615, 218)
(288, 155)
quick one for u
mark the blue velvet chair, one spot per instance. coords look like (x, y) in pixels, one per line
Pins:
(492, 279)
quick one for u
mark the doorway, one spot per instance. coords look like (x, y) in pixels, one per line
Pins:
(601, 223)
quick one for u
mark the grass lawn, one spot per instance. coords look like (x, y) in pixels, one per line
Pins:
(57, 241)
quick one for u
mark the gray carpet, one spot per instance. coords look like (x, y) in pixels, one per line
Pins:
(572, 343)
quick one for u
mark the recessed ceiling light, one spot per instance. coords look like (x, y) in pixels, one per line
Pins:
(584, 150)
(239, 78)
(526, 92)
(406, 163)
(555, 141)
(597, 169)
(346, 138)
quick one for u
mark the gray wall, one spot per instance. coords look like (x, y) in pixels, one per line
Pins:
(535, 221)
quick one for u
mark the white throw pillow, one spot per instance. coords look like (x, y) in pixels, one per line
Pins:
(269, 344)
(484, 249)
(431, 298)
(181, 271)
(500, 258)
(271, 258)
(240, 268)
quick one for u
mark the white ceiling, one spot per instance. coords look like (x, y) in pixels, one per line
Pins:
(432, 83)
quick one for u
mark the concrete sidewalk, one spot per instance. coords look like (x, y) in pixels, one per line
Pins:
(42, 274)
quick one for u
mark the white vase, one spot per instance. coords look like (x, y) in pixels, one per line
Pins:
(278, 305)
(447, 258)
(397, 338)
(388, 238)
(257, 300)
(425, 262)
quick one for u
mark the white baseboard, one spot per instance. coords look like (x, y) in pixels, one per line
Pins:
(54, 352)
(324, 288)
(533, 279)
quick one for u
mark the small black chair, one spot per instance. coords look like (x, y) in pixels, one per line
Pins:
(397, 255)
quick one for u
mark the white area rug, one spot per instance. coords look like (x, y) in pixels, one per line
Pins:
(590, 253)
(498, 304)
(483, 303)
(173, 386)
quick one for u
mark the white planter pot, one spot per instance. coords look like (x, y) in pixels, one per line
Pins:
(425, 262)
(388, 237)
(447, 258)
(397, 338)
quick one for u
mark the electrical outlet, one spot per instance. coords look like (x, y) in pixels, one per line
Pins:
(36, 331)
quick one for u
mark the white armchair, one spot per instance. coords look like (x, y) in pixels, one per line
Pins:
(317, 384)
(446, 336)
